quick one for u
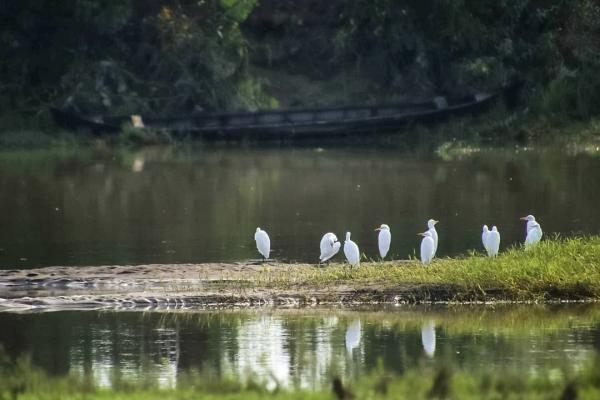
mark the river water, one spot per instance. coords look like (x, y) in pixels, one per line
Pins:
(304, 348)
(201, 204)
(98, 206)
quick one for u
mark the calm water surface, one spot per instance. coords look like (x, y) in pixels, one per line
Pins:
(163, 205)
(304, 347)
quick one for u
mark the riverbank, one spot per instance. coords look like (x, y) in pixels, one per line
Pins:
(496, 126)
(555, 270)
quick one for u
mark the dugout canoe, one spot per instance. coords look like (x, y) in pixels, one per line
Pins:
(302, 123)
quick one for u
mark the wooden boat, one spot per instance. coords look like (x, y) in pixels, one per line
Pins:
(283, 124)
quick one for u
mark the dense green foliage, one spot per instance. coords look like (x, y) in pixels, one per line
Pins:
(124, 55)
(22, 381)
(183, 55)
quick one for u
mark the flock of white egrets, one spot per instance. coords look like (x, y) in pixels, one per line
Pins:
(330, 244)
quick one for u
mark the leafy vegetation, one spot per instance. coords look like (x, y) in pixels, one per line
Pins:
(181, 56)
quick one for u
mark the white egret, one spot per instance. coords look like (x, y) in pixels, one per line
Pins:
(428, 338)
(384, 239)
(530, 221)
(427, 247)
(484, 238)
(329, 246)
(431, 227)
(263, 243)
(493, 242)
(534, 231)
(351, 251)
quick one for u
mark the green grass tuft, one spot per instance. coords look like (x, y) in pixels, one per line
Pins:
(567, 268)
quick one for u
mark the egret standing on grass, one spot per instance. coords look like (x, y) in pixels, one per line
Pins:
(431, 227)
(263, 243)
(384, 239)
(493, 242)
(427, 247)
(534, 231)
(484, 238)
(329, 246)
(351, 251)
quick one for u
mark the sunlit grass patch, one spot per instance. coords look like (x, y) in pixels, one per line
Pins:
(557, 267)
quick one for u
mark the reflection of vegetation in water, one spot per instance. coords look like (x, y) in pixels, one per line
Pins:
(457, 149)
(483, 334)
(461, 319)
(307, 347)
(202, 203)
(448, 151)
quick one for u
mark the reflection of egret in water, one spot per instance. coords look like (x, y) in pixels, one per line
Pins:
(353, 335)
(428, 337)
(262, 351)
(138, 164)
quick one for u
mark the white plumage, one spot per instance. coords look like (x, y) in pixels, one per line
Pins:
(263, 243)
(329, 246)
(534, 231)
(534, 235)
(427, 247)
(351, 251)
(434, 235)
(484, 238)
(493, 242)
(384, 239)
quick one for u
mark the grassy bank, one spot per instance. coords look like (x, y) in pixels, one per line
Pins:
(558, 269)
(555, 269)
(22, 381)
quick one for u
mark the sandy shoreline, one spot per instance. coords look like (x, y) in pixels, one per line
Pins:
(108, 274)
(188, 286)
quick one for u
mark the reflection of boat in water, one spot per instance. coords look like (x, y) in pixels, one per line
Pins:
(428, 338)
(353, 335)
(313, 123)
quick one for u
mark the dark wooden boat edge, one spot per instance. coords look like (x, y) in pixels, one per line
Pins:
(222, 126)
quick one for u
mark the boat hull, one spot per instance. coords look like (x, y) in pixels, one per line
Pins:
(285, 124)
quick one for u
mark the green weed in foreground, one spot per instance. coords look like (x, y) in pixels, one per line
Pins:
(22, 381)
(556, 268)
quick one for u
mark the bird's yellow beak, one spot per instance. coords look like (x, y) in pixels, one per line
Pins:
(421, 234)
(523, 218)
(435, 222)
(377, 229)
